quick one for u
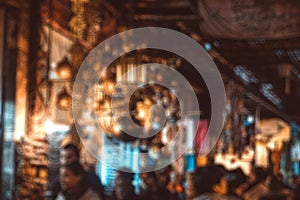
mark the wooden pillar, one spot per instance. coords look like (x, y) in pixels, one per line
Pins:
(8, 93)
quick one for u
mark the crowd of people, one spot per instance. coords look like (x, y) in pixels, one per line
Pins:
(211, 182)
(215, 183)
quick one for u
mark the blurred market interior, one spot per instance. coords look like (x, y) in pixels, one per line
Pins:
(254, 44)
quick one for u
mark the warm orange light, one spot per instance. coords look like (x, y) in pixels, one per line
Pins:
(64, 100)
(109, 86)
(64, 69)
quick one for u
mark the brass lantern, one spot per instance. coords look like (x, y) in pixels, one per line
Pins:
(64, 100)
(64, 69)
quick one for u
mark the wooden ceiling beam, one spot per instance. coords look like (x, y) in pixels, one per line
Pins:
(164, 4)
(167, 17)
(283, 44)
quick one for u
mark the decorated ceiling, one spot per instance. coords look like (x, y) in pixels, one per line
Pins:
(255, 43)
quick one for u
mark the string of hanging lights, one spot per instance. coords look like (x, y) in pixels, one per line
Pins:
(143, 105)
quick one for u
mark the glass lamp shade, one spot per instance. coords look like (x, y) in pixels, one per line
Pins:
(109, 86)
(106, 122)
(64, 100)
(64, 69)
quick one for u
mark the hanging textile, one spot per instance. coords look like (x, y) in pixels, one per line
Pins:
(295, 151)
(238, 130)
(201, 143)
(59, 44)
(276, 130)
(190, 161)
(250, 19)
(261, 155)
